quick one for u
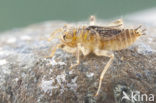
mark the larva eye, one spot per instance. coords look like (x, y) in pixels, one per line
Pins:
(64, 37)
(62, 46)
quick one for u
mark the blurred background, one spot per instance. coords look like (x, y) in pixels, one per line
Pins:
(20, 13)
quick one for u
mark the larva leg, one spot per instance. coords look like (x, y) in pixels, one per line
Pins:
(117, 23)
(84, 50)
(107, 54)
(80, 49)
(92, 20)
(54, 50)
(78, 59)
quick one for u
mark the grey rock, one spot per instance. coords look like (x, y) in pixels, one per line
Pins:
(26, 76)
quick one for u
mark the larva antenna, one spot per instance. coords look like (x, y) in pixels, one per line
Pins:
(53, 35)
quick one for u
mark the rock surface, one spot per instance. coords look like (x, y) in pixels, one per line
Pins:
(27, 77)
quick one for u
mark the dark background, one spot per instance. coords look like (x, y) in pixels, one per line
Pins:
(20, 13)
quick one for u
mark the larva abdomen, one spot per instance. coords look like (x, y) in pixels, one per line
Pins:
(120, 41)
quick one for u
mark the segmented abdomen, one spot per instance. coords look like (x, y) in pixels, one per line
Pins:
(120, 41)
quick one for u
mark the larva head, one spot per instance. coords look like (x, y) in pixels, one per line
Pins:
(139, 32)
(69, 35)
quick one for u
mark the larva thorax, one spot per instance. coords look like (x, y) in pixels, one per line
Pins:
(77, 35)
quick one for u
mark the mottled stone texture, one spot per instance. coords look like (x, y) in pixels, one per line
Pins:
(27, 77)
